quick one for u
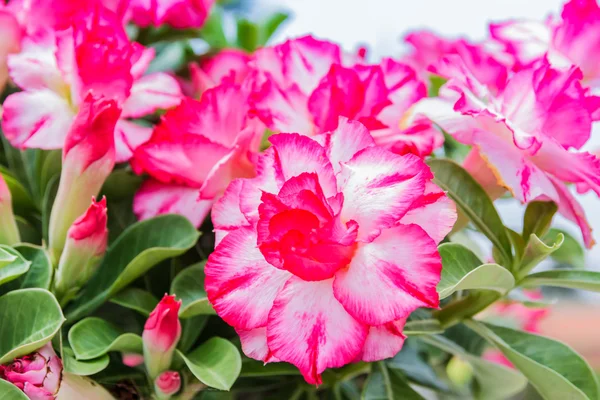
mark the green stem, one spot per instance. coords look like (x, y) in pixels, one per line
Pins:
(466, 307)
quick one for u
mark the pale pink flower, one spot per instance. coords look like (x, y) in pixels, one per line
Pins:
(58, 69)
(523, 133)
(195, 151)
(321, 258)
(161, 335)
(167, 384)
(180, 14)
(38, 374)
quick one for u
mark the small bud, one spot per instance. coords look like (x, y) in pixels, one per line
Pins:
(161, 335)
(88, 159)
(86, 244)
(9, 233)
(167, 384)
(133, 360)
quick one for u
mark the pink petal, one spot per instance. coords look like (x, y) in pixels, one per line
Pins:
(379, 188)
(254, 344)
(570, 208)
(37, 393)
(309, 328)
(39, 119)
(391, 276)
(155, 198)
(150, 93)
(240, 284)
(34, 67)
(384, 341)
(526, 40)
(128, 137)
(226, 214)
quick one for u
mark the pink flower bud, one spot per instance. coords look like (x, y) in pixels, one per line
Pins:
(167, 384)
(132, 360)
(38, 374)
(9, 233)
(161, 335)
(86, 244)
(88, 159)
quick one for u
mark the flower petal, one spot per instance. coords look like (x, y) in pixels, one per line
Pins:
(254, 344)
(150, 93)
(384, 341)
(128, 137)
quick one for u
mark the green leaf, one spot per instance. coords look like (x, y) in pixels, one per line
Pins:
(462, 270)
(538, 217)
(49, 168)
(81, 367)
(415, 368)
(253, 369)
(48, 202)
(139, 248)
(212, 30)
(121, 184)
(27, 232)
(248, 35)
(537, 251)
(570, 253)
(21, 200)
(423, 327)
(435, 83)
(94, 337)
(188, 286)
(553, 368)
(387, 384)
(472, 200)
(566, 278)
(11, 392)
(30, 319)
(492, 381)
(191, 328)
(14, 264)
(40, 270)
(136, 299)
(216, 363)
(271, 25)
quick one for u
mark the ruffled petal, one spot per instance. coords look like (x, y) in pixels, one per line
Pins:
(226, 214)
(384, 341)
(254, 344)
(150, 93)
(128, 137)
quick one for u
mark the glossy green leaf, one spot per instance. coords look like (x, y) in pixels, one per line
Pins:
(191, 329)
(570, 253)
(21, 200)
(81, 367)
(248, 35)
(472, 200)
(413, 365)
(188, 286)
(538, 217)
(271, 25)
(11, 392)
(94, 337)
(253, 369)
(387, 384)
(423, 327)
(492, 381)
(30, 318)
(567, 278)
(139, 248)
(27, 232)
(14, 265)
(212, 30)
(136, 299)
(40, 271)
(462, 270)
(537, 251)
(553, 368)
(216, 363)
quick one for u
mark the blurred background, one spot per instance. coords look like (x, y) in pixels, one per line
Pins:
(380, 25)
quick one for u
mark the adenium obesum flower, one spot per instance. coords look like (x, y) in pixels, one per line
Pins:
(88, 159)
(195, 151)
(86, 244)
(304, 85)
(321, 258)
(522, 136)
(167, 384)
(38, 374)
(180, 14)
(569, 40)
(226, 64)
(9, 232)
(57, 71)
(161, 335)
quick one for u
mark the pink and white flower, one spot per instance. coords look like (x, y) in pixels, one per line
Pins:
(321, 258)
(524, 133)
(58, 70)
(231, 64)
(38, 374)
(180, 14)
(304, 85)
(167, 384)
(195, 151)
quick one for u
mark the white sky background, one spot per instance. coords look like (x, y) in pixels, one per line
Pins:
(380, 24)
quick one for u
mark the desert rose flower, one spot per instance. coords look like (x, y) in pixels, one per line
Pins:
(195, 151)
(38, 374)
(167, 384)
(210, 72)
(88, 159)
(85, 246)
(9, 232)
(57, 70)
(180, 14)
(321, 258)
(525, 138)
(161, 335)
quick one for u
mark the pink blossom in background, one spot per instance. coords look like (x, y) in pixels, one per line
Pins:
(38, 374)
(180, 14)
(527, 135)
(226, 64)
(57, 70)
(323, 255)
(168, 383)
(195, 151)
